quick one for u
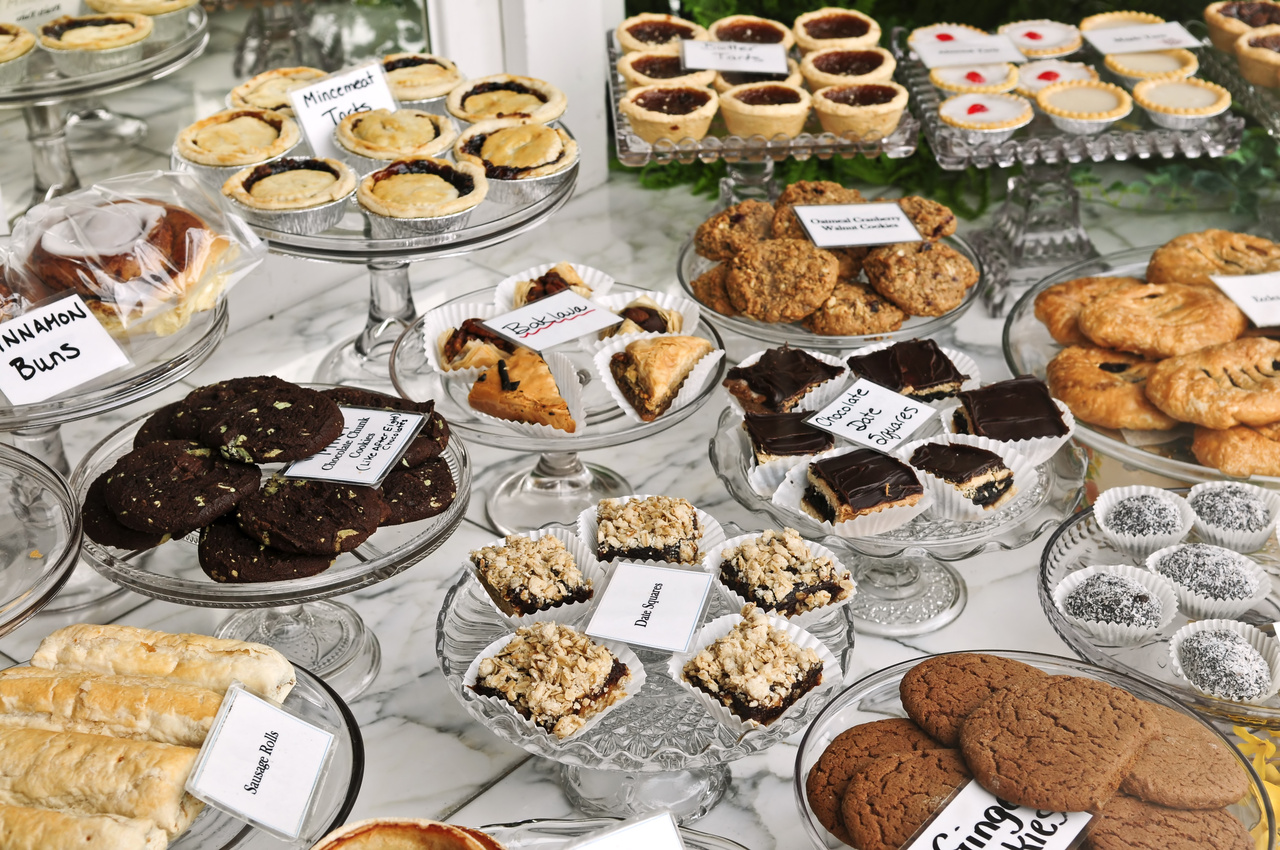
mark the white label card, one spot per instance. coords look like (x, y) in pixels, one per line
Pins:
(975, 817)
(1141, 38)
(370, 444)
(553, 320)
(52, 349)
(733, 56)
(320, 106)
(29, 12)
(260, 763)
(654, 607)
(650, 832)
(843, 225)
(872, 416)
(1257, 295)
(970, 50)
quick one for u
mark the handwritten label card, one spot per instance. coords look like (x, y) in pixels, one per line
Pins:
(647, 832)
(733, 56)
(843, 225)
(370, 444)
(261, 763)
(975, 817)
(52, 349)
(1257, 295)
(1141, 38)
(28, 13)
(654, 607)
(872, 416)
(320, 106)
(553, 320)
(970, 50)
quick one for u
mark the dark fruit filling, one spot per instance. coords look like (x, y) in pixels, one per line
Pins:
(1267, 42)
(862, 95)
(475, 145)
(673, 101)
(768, 96)
(1252, 14)
(57, 30)
(837, 26)
(738, 78)
(849, 63)
(280, 166)
(748, 32)
(650, 320)
(659, 32)
(408, 62)
(472, 329)
(462, 182)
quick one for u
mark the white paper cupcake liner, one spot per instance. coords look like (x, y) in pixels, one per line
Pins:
(1240, 541)
(1117, 634)
(966, 364)
(1267, 647)
(620, 650)
(806, 619)
(816, 398)
(573, 613)
(1199, 606)
(789, 493)
(764, 478)
(566, 377)
(720, 627)
(1140, 546)
(690, 313)
(442, 319)
(712, 534)
(504, 295)
(1037, 449)
(948, 503)
(692, 387)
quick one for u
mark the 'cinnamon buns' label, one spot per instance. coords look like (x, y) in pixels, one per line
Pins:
(54, 348)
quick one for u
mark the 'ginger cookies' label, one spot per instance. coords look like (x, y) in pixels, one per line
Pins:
(975, 817)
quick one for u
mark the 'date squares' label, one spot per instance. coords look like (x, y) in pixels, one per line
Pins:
(733, 56)
(654, 607)
(553, 320)
(319, 107)
(1141, 38)
(872, 416)
(975, 818)
(54, 348)
(970, 50)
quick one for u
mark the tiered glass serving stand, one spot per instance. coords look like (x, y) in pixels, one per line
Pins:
(296, 616)
(44, 92)
(546, 834)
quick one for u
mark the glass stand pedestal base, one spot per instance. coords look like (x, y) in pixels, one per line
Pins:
(364, 360)
(92, 127)
(688, 794)
(748, 180)
(326, 637)
(911, 594)
(556, 487)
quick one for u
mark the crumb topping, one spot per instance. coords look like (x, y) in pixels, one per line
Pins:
(657, 522)
(754, 661)
(539, 572)
(778, 568)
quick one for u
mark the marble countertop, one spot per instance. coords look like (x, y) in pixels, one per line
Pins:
(425, 756)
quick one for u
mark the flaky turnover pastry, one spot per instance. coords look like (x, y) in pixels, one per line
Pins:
(650, 372)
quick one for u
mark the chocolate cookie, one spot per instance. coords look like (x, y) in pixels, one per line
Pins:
(159, 426)
(727, 232)
(1105, 387)
(1060, 743)
(1059, 306)
(889, 799)
(175, 486)
(417, 493)
(102, 527)
(228, 555)
(851, 751)
(431, 440)
(923, 278)
(853, 309)
(1192, 257)
(274, 426)
(1129, 824)
(1186, 766)
(190, 417)
(708, 288)
(782, 280)
(1240, 451)
(939, 692)
(311, 517)
(1161, 319)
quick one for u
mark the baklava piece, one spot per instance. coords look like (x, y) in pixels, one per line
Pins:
(656, 528)
(779, 573)
(472, 345)
(650, 372)
(778, 380)
(555, 280)
(644, 315)
(858, 483)
(916, 368)
(525, 576)
(1016, 409)
(780, 435)
(977, 474)
(521, 388)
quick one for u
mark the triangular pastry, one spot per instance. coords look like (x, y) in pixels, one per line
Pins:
(521, 388)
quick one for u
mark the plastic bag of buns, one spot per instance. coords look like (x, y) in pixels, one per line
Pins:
(145, 251)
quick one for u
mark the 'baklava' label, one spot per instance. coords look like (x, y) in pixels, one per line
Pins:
(553, 320)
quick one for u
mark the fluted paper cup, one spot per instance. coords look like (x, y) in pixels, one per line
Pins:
(442, 319)
(566, 378)
(1141, 545)
(1240, 541)
(1201, 606)
(816, 398)
(1120, 634)
(690, 313)
(948, 503)
(573, 613)
(789, 493)
(1266, 646)
(966, 364)
(712, 534)
(1035, 449)
(689, 391)
(504, 295)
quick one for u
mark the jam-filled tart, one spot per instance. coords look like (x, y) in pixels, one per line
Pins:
(291, 184)
(833, 66)
(381, 134)
(657, 33)
(670, 112)
(423, 188)
(1230, 19)
(270, 89)
(651, 68)
(506, 96)
(420, 76)
(725, 80)
(169, 17)
(238, 137)
(765, 109)
(832, 27)
(749, 29)
(1258, 52)
(509, 149)
(867, 112)
(16, 42)
(94, 32)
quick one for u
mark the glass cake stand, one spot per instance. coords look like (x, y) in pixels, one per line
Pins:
(296, 616)
(548, 834)
(659, 749)
(42, 95)
(557, 485)
(905, 586)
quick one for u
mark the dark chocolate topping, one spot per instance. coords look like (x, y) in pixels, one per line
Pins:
(57, 30)
(849, 63)
(280, 166)
(868, 95)
(781, 373)
(864, 478)
(751, 32)
(464, 183)
(954, 462)
(649, 319)
(673, 101)
(837, 26)
(473, 329)
(768, 96)
(1252, 14)
(659, 32)
(916, 364)
(408, 62)
(786, 433)
(1017, 409)
(659, 67)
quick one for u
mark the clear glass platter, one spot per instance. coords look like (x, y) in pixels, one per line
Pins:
(875, 697)
(540, 834)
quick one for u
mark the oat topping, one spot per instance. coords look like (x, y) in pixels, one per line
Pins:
(530, 575)
(657, 528)
(778, 572)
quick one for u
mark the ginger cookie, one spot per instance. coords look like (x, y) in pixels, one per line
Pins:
(192, 414)
(1192, 257)
(922, 278)
(851, 751)
(722, 236)
(417, 493)
(431, 440)
(274, 426)
(1105, 387)
(1162, 319)
(889, 799)
(1129, 824)
(157, 427)
(1237, 383)
(854, 309)
(939, 692)
(782, 280)
(228, 555)
(1060, 743)
(102, 527)
(1186, 766)
(311, 517)
(1240, 451)
(1059, 306)
(708, 288)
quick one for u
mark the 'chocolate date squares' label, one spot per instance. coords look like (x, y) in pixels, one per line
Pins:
(872, 416)
(968, 50)
(1141, 38)
(368, 448)
(319, 106)
(845, 225)
(54, 348)
(974, 817)
(733, 56)
(1257, 295)
(553, 320)
(654, 607)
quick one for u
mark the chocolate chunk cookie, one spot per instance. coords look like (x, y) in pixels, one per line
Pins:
(1105, 387)
(175, 486)
(1129, 824)
(102, 527)
(228, 555)
(727, 232)
(417, 493)
(782, 280)
(1061, 743)
(274, 426)
(932, 219)
(708, 288)
(431, 440)
(851, 751)
(887, 801)
(939, 692)
(311, 517)
(159, 426)
(923, 278)
(853, 309)
(191, 416)
(1186, 766)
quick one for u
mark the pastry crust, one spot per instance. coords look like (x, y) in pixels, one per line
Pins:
(29, 828)
(1240, 451)
(20, 44)
(652, 124)
(1028, 46)
(747, 110)
(811, 66)
(1225, 29)
(722, 84)
(528, 393)
(948, 31)
(77, 33)
(1108, 20)
(960, 111)
(842, 109)
(651, 371)
(506, 96)
(809, 41)
(654, 32)
(1034, 76)
(1146, 94)
(1237, 383)
(270, 89)
(409, 202)
(141, 7)
(405, 832)
(1162, 319)
(670, 321)
(993, 79)
(751, 29)
(633, 67)
(402, 134)
(1124, 65)
(293, 184)
(1059, 306)
(420, 76)
(1047, 100)
(513, 149)
(1192, 257)
(238, 137)
(1106, 388)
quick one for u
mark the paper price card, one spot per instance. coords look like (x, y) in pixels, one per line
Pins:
(733, 56)
(52, 349)
(872, 416)
(1141, 38)
(320, 106)
(844, 225)
(970, 50)
(654, 607)
(553, 320)
(261, 763)
(370, 444)
(975, 817)
(647, 832)
(1257, 295)
(28, 13)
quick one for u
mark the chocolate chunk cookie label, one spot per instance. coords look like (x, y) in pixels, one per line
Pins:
(553, 320)
(1257, 295)
(975, 817)
(733, 56)
(1141, 38)
(367, 450)
(872, 416)
(845, 225)
(653, 607)
(973, 49)
(52, 349)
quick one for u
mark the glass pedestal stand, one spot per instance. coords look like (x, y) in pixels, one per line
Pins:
(362, 359)
(556, 488)
(911, 594)
(94, 127)
(687, 794)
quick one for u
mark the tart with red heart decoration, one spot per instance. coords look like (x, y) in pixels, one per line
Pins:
(976, 79)
(943, 33)
(986, 113)
(1034, 76)
(1043, 39)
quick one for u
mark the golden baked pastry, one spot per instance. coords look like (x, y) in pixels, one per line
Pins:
(521, 388)
(751, 30)
(405, 834)
(651, 371)
(1152, 65)
(506, 96)
(653, 68)
(975, 79)
(94, 32)
(1239, 451)
(1192, 257)
(942, 33)
(420, 76)
(1230, 19)
(1110, 20)
(141, 7)
(986, 112)
(835, 66)
(270, 89)
(512, 149)
(1237, 383)
(402, 134)
(15, 42)
(238, 137)
(470, 346)
(1043, 38)
(657, 33)
(556, 279)
(835, 27)
(765, 109)
(1106, 388)
(1162, 319)
(1258, 52)
(669, 112)
(291, 184)
(866, 112)
(423, 188)
(644, 315)
(1181, 98)
(30, 828)
(1059, 306)
(1085, 100)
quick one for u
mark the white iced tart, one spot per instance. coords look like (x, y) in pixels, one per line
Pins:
(1111, 20)
(1041, 39)
(1153, 64)
(943, 33)
(1085, 100)
(987, 112)
(1034, 76)
(976, 79)
(1192, 98)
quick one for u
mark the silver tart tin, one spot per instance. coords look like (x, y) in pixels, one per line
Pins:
(1181, 122)
(75, 63)
(15, 70)
(302, 222)
(170, 26)
(214, 176)
(389, 227)
(434, 105)
(1082, 126)
(531, 189)
(994, 137)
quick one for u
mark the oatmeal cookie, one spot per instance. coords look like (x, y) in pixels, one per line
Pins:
(708, 288)
(807, 193)
(932, 219)
(1058, 307)
(1192, 257)
(854, 309)
(782, 280)
(1162, 319)
(922, 278)
(1239, 451)
(1237, 383)
(1105, 387)
(727, 232)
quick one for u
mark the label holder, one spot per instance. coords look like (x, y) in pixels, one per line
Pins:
(319, 106)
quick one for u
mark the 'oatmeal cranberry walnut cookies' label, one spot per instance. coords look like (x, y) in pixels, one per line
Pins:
(368, 448)
(733, 56)
(322, 104)
(872, 416)
(54, 348)
(654, 607)
(1257, 295)
(1141, 38)
(553, 320)
(969, 50)
(974, 817)
(846, 225)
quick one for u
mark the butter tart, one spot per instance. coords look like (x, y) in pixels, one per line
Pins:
(832, 27)
(521, 388)
(725, 80)
(833, 66)
(15, 50)
(295, 195)
(88, 43)
(1132, 68)
(650, 372)
(657, 33)
(557, 279)
(1258, 52)
(1084, 106)
(1034, 76)
(1181, 104)
(238, 137)
(270, 89)
(644, 315)
(169, 17)
(1111, 20)
(669, 112)
(864, 112)
(1042, 38)
(765, 109)
(380, 135)
(420, 76)
(965, 79)
(423, 188)
(1230, 19)
(509, 149)
(506, 96)
(749, 29)
(650, 68)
